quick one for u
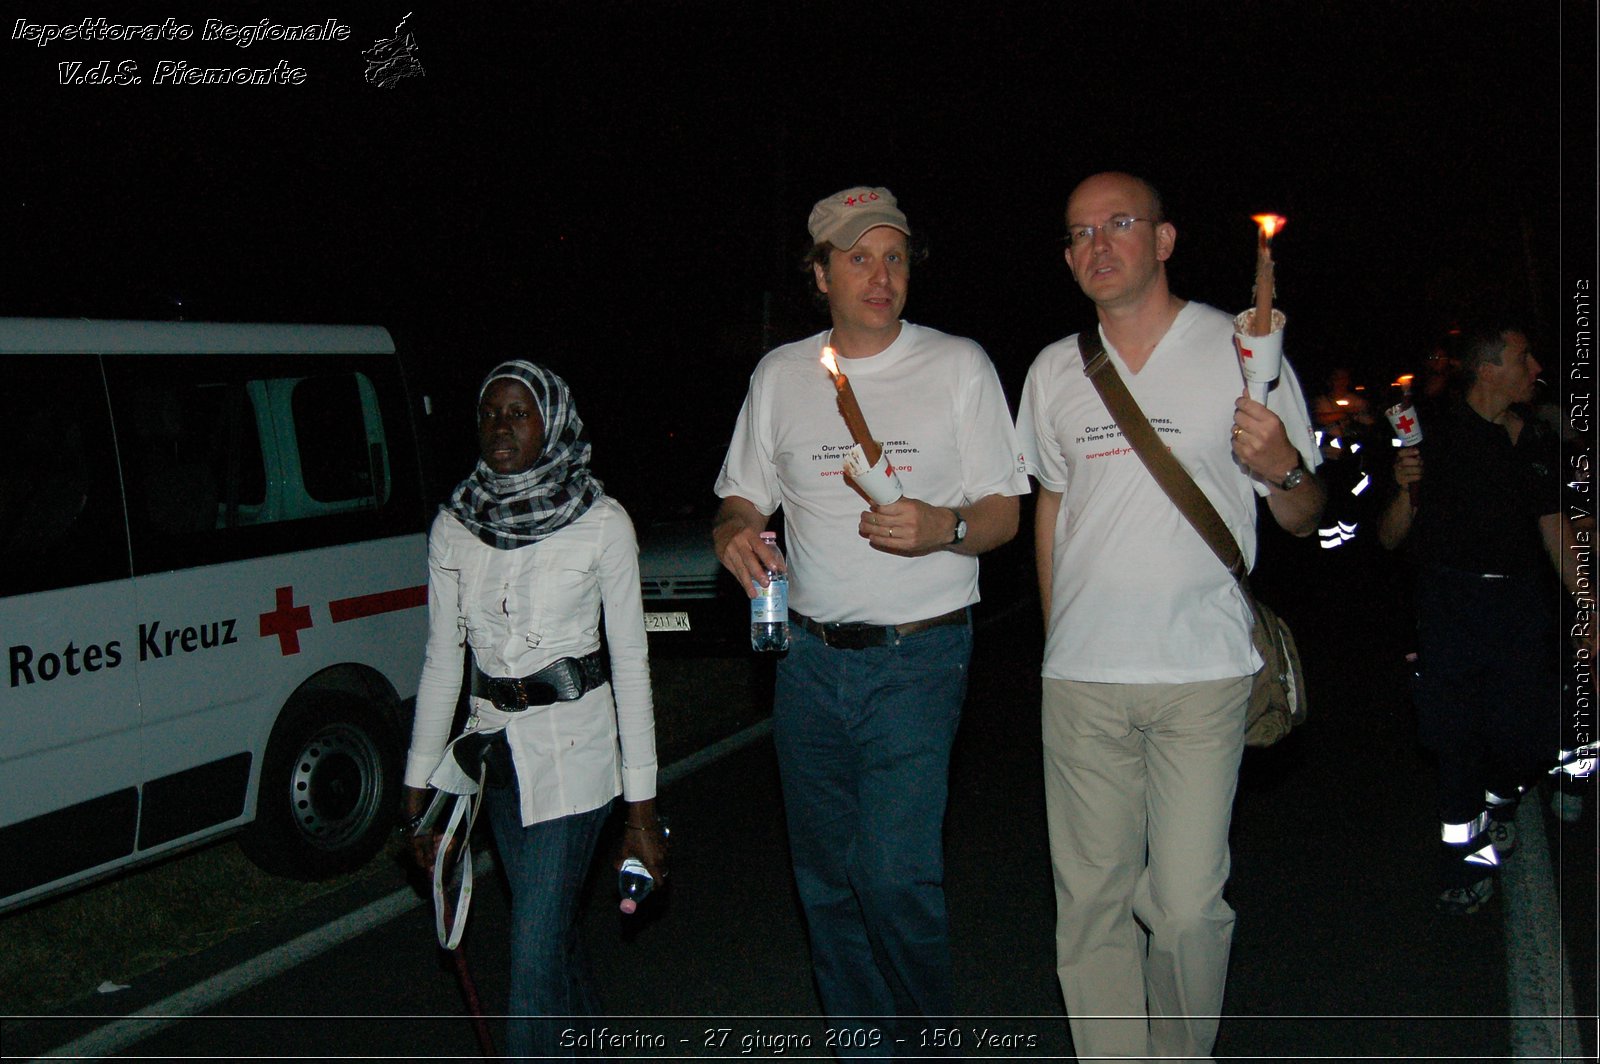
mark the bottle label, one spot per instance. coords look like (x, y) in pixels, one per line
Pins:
(771, 603)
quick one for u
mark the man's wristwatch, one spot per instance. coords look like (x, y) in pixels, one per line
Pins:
(1293, 477)
(961, 527)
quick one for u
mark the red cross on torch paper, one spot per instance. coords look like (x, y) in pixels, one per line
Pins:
(1404, 425)
(286, 621)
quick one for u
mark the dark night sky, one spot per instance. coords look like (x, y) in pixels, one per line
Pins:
(621, 189)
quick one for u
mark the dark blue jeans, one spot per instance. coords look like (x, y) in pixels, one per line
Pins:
(863, 740)
(546, 864)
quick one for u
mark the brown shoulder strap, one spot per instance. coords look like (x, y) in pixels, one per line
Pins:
(1173, 478)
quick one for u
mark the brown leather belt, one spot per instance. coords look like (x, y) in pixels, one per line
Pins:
(858, 635)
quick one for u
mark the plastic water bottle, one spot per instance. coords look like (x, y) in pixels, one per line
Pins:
(769, 610)
(634, 883)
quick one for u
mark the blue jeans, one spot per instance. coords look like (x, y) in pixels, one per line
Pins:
(546, 864)
(863, 740)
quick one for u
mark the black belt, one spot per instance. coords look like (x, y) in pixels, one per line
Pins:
(857, 635)
(560, 681)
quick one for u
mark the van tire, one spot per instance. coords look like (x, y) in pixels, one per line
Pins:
(330, 782)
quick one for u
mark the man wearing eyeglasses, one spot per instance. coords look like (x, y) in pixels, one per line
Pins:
(1148, 658)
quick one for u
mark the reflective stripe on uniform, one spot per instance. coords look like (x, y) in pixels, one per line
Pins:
(1466, 834)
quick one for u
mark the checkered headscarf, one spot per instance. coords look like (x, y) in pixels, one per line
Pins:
(512, 510)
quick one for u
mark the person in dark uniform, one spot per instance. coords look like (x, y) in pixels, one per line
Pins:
(1484, 525)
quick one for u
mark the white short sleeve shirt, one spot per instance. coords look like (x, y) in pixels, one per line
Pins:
(1137, 595)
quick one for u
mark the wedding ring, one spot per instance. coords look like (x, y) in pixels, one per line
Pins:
(1238, 430)
(891, 533)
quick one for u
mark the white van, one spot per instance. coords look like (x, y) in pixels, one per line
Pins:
(213, 575)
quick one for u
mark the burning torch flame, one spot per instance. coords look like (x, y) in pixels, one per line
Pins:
(1269, 223)
(829, 363)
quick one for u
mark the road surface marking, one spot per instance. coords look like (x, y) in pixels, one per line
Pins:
(119, 1035)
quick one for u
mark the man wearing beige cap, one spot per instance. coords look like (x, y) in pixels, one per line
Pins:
(870, 692)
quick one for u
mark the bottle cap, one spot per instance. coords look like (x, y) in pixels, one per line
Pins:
(628, 905)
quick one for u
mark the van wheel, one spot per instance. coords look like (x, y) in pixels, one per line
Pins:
(329, 784)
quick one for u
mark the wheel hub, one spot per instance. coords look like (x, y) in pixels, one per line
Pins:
(334, 789)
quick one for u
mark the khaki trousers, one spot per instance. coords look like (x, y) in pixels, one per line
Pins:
(1139, 788)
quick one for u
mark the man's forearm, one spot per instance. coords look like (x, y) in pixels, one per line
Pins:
(735, 538)
(734, 516)
(1394, 524)
(991, 523)
(1297, 511)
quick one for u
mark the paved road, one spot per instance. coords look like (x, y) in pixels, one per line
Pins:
(1338, 953)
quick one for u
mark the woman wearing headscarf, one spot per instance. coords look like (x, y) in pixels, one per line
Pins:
(523, 562)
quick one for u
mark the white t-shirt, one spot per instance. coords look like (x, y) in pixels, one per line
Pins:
(1137, 595)
(936, 404)
(520, 610)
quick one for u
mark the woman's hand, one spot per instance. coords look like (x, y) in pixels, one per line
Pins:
(644, 839)
(424, 848)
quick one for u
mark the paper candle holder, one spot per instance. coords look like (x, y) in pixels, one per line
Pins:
(880, 482)
(1260, 357)
(1403, 419)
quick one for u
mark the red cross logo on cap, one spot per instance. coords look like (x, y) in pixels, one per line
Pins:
(286, 621)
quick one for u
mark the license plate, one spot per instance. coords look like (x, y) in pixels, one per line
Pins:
(666, 621)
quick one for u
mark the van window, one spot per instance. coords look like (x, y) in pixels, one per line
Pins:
(193, 455)
(328, 410)
(236, 463)
(228, 459)
(61, 521)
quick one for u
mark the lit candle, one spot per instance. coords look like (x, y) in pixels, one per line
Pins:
(850, 410)
(1261, 322)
